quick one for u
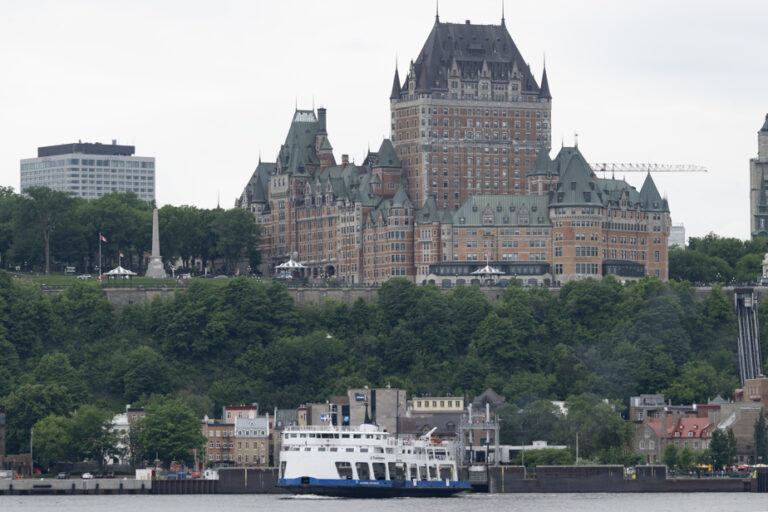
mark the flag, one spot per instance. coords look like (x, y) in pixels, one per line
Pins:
(122, 255)
(102, 238)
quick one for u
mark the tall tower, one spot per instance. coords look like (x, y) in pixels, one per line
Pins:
(470, 117)
(758, 173)
(155, 268)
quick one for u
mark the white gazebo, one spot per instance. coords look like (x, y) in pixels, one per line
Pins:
(290, 266)
(119, 271)
(488, 272)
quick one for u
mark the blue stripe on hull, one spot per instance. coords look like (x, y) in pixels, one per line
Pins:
(372, 488)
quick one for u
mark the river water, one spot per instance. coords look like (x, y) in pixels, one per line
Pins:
(742, 502)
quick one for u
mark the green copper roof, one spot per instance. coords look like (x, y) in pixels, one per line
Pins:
(387, 156)
(576, 186)
(503, 210)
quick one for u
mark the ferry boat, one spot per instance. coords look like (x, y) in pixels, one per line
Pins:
(366, 462)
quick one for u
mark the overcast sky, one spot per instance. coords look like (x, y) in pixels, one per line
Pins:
(205, 87)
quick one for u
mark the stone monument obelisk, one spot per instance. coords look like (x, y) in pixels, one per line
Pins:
(155, 268)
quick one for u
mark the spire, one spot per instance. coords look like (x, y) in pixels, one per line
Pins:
(395, 86)
(544, 90)
(437, 12)
(765, 126)
(503, 24)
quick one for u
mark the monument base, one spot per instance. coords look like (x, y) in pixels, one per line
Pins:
(155, 269)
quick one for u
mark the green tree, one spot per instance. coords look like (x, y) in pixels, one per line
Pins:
(237, 236)
(598, 424)
(52, 440)
(44, 207)
(669, 457)
(685, 460)
(93, 437)
(722, 448)
(28, 404)
(170, 429)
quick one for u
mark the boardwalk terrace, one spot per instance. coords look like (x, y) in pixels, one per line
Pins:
(466, 178)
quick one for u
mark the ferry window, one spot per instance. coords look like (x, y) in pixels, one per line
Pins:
(363, 450)
(321, 449)
(345, 436)
(378, 449)
(307, 449)
(414, 473)
(390, 450)
(379, 471)
(334, 449)
(363, 472)
(446, 472)
(350, 449)
(344, 469)
(355, 436)
(396, 471)
(369, 436)
(433, 472)
(423, 472)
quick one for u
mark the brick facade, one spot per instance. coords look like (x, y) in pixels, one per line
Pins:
(466, 179)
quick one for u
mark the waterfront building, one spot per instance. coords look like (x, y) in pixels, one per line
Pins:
(466, 180)
(431, 404)
(220, 439)
(90, 170)
(252, 437)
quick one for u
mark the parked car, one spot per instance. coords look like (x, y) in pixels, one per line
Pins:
(84, 276)
(62, 476)
(87, 476)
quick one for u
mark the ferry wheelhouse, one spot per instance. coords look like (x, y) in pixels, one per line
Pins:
(366, 462)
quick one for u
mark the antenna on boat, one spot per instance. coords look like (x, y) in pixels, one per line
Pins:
(367, 418)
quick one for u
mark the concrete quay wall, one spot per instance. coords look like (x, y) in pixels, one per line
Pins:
(75, 486)
(577, 479)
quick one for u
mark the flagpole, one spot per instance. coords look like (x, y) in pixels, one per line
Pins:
(99, 256)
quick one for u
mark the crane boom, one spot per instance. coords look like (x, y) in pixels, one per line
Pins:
(649, 167)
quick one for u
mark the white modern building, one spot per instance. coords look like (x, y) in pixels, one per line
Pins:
(90, 170)
(676, 236)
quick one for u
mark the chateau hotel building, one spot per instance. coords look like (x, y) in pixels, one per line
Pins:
(466, 178)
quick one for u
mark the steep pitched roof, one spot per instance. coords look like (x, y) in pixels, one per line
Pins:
(256, 189)
(543, 165)
(544, 92)
(387, 156)
(428, 213)
(401, 199)
(395, 87)
(576, 186)
(298, 151)
(472, 47)
(765, 125)
(650, 199)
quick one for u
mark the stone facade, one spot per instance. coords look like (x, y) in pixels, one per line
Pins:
(758, 187)
(466, 179)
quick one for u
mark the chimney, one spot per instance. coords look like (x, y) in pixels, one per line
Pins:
(321, 120)
(344, 159)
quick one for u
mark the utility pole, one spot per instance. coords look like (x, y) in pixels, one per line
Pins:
(31, 453)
